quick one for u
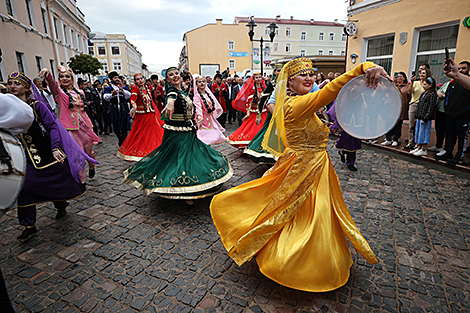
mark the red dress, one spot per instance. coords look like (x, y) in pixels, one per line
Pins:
(219, 95)
(147, 132)
(157, 95)
(250, 126)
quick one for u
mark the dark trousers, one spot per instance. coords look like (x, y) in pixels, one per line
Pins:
(350, 157)
(232, 113)
(395, 133)
(222, 118)
(27, 214)
(5, 304)
(456, 130)
(99, 121)
(107, 122)
(440, 125)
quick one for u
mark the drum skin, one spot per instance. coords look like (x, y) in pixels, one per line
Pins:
(10, 185)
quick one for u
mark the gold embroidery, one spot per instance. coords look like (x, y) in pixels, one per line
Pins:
(216, 174)
(37, 159)
(33, 149)
(184, 180)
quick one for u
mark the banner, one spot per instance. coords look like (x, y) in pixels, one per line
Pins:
(238, 54)
(256, 56)
(267, 55)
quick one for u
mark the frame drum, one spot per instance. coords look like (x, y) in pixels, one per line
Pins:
(10, 184)
(367, 113)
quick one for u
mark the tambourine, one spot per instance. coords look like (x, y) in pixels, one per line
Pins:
(368, 113)
(12, 174)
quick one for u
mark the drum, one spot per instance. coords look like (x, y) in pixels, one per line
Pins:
(11, 179)
(367, 113)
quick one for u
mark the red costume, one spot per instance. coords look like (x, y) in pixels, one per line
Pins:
(219, 94)
(157, 95)
(247, 101)
(146, 134)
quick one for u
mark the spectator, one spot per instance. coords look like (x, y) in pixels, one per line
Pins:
(440, 122)
(415, 90)
(424, 115)
(158, 94)
(393, 136)
(219, 89)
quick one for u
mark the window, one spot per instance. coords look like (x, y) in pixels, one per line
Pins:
(344, 37)
(231, 64)
(56, 28)
(330, 52)
(231, 45)
(72, 38)
(116, 66)
(276, 47)
(79, 42)
(105, 66)
(39, 63)
(288, 47)
(102, 50)
(29, 9)
(302, 53)
(91, 51)
(51, 63)
(320, 52)
(9, 7)
(332, 36)
(66, 40)
(343, 53)
(303, 36)
(320, 36)
(380, 51)
(20, 61)
(431, 44)
(115, 50)
(44, 20)
(288, 29)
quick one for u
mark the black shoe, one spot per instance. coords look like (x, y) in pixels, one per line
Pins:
(453, 161)
(27, 233)
(60, 213)
(91, 172)
(352, 168)
(444, 157)
(409, 147)
(343, 159)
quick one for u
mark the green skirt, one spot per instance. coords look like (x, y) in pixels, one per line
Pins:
(255, 150)
(182, 167)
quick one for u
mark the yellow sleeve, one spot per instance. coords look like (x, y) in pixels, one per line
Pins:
(303, 107)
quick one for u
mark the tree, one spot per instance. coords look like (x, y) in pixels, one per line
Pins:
(84, 64)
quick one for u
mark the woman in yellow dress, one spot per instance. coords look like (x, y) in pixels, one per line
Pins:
(294, 219)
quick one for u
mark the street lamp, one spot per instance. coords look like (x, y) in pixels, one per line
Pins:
(251, 32)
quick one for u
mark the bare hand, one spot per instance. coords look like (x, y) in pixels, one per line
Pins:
(169, 109)
(452, 69)
(58, 155)
(373, 76)
(115, 92)
(44, 73)
(132, 111)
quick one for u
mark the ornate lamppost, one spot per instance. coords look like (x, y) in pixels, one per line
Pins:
(272, 32)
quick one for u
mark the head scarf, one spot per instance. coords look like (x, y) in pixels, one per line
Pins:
(274, 140)
(198, 102)
(240, 102)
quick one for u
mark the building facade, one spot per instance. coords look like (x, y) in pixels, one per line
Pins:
(115, 54)
(400, 35)
(36, 34)
(230, 44)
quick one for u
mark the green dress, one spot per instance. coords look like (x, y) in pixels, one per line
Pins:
(255, 150)
(182, 167)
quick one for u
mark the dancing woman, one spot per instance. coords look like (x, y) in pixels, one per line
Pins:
(247, 101)
(208, 109)
(294, 219)
(182, 167)
(54, 160)
(146, 133)
(71, 104)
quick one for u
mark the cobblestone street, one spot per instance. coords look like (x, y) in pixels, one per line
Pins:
(118, 250)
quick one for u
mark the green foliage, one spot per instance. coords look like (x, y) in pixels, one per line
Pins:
(84, 64)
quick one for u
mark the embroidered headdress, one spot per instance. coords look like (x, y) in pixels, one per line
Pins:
(20, 78)
(63, 69)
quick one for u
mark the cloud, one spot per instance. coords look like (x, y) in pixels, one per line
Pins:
(157, 27)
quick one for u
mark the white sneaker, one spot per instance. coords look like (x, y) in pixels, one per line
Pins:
(433, 149)
(386, 143)
(421, 153)
(415, 150)
(373, 141)
(394, 143)
(441, 153)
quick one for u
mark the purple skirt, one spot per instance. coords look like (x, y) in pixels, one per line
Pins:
(53, 183)
(348, 143)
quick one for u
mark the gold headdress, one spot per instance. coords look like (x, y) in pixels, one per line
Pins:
(274, 140)
(20, 78)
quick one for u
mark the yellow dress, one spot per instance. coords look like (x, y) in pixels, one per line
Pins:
(294, 218)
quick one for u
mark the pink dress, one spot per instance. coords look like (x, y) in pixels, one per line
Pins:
(209, 131)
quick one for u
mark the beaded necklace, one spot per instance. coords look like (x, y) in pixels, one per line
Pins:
(204, 100)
